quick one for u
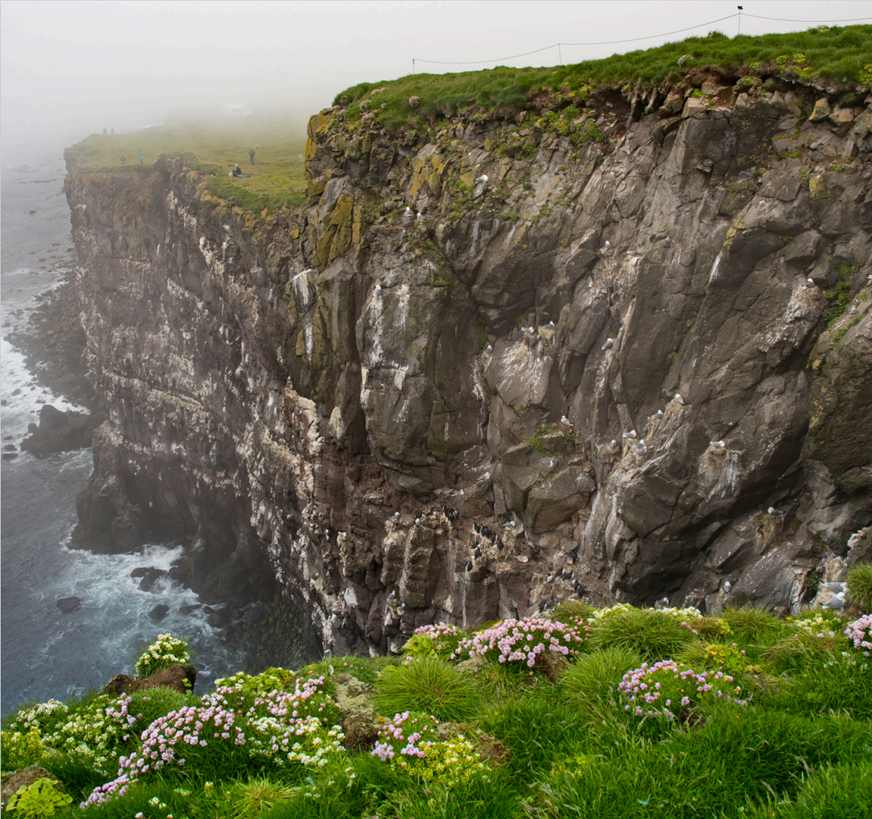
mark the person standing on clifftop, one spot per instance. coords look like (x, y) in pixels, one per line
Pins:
(123, 159)
(251, 155)
(140, 157)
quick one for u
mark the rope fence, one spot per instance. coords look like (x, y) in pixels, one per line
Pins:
(558, 46)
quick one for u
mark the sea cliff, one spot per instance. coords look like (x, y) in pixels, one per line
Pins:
(506, 359)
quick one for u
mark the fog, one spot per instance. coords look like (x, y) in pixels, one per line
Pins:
(72, 68)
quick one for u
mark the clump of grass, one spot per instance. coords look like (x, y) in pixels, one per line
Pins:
(593, 679)
(750, 625)
(859, 583)
(255, 797)
(656, 635)
(535, 730)
(156, 702)
(428, 684)
(572, 611)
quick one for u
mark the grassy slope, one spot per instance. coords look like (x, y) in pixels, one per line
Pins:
(838, 57)
(278, 175)
(557, 740)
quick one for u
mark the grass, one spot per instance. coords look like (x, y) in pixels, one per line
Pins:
(837, 56)
(541, 747)
(428, 684)
(277, 177)
(860, 585)
(654, 634)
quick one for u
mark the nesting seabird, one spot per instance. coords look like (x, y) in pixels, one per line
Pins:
(717, 444)
(488, 350)
(678, 399)
(728, 587)
(837, 601)
(469, 565)
(549, 326)
(808, 284)
(565, 421)
(631, 434)
(476, 528)
(417, 521)
(408, 217)
(607, 245)
(773, 511)
(661, 603)
(500, 546)
(641, 450)
(613, 443)
(477, 552)
(392, 595)
(420, 217)
(396, 515)
(549, 578)
(610, 342)
(657, 415)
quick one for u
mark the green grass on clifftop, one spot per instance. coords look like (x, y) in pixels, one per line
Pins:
(277, 177)
(830, 56)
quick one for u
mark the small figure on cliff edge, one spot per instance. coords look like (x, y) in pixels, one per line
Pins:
(140, 157)
(251, 155)
(123, 159)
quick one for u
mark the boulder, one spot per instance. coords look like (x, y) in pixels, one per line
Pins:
(69, 604)
(178, 677)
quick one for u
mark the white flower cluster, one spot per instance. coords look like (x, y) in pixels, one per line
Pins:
(304, 741)
(166, 651)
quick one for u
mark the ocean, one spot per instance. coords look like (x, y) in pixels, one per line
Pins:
(45, 652)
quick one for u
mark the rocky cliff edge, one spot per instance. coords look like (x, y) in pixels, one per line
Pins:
(498, 362)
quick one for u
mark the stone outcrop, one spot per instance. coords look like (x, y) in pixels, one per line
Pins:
(59, 431)
(180, 678)
(513, 398)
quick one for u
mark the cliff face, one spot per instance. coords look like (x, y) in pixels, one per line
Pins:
(588, 367)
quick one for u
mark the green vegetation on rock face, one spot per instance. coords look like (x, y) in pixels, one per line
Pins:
(560, 718)
(276, 177)
(835, 56)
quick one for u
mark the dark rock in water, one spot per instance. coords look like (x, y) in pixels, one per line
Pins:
(159, 612)
(177, 677)
(69, 604)
(9, 456)
(219, 618)
(180, 572)
(186, 610)
(149, 576)
(59, 431)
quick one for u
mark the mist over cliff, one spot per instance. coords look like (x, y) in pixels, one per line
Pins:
(613, 345)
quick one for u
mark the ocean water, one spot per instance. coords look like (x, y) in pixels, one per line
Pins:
(46, 653)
